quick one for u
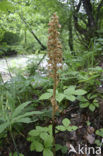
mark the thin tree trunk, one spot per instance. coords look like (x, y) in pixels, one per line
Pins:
(70, 41)
(25, 37)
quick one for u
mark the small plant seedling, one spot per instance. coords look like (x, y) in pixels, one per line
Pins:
(99, 133)
(41, 140)
(15, 154)
(66, 126)
(91, 102)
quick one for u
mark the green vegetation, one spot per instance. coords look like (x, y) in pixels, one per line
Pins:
(60, 85)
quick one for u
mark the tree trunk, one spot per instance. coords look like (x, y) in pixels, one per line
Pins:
(70, 41)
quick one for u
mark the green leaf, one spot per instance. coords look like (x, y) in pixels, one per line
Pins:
(2, 118)
(61, 128)
(70, 97)
(41, 129)
(96, 104)
(26, 115)
(35, 145)
(47, 152)
(24, 120)
(66, 122)
(93, 97)
(48, 142)
(15, 154)
(98, 142)
(89, 96)
(64, 149)
(60, 97)
(44, 136)
(3, 126)
(80, 92)
(10, 154)
(19, 109)
(100, 132)
(51, 91)
(92, 107)
(45, 96)
(84, 105)
(34, 133)
(70, 90)
(82, 99)
(58, 147)
(50, 129)
(72, 128)
(11, 101)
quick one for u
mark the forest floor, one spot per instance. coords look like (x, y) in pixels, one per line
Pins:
(84, 136)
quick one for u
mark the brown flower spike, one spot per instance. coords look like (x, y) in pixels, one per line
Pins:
(54, 64)
(54, 48)
(54, 55)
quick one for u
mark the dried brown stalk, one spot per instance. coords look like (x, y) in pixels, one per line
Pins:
(54, 64)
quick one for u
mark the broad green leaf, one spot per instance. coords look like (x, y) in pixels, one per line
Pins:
(26, 115)
(95, 101)
(15, 154)
(60, 97)
(47, 152)
(51, 91)
(24, 120)
(35, 145)
(10, 154)
(84, 105)
(70, 90)
(92, 107)
(3, 126)
(72, 128)
(93, 97)
(98, 142)
(19, 109)
(100, 132)
(58, 147)
(61, 147)
(80, 92)
(44, 136)
(38, 146)
(66, 122)
(82, 99)
(34, 133)
(45, 96)
(70, 97)
(2, 119)
(50, 129)
(64, 149)
(48, 142)
(61, 128)
(42, 129)
(96, 104)
(11, 101)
